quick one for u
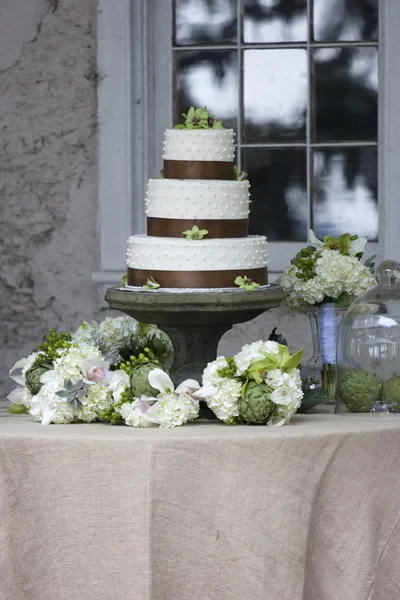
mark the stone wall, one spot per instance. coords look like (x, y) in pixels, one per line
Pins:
(48, 195)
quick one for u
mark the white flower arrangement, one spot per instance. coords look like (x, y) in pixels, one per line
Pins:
(328, 271)
(260, 385)
(81, 377)
(69, 380)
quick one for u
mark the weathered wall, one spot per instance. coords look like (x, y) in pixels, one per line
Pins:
(48, 176)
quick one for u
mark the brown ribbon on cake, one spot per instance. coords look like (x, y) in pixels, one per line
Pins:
(217, 228)
(198, 169)
(196, 279)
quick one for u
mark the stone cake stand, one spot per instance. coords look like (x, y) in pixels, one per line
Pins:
(194, 320)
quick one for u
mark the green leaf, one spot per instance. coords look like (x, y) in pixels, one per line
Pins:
(18, 409)
(191, 114)
(151, 284)
(293, 361)
(124, 280)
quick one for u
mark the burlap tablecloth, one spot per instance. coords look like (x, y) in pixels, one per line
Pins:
(309, 511)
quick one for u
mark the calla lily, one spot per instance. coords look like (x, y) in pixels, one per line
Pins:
(16, 371)
(162, 382)
(94, 370)
(357, 246)
(205, 392)
(16, 396)
(313, 240)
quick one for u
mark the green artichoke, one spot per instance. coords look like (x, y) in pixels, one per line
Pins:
(255, 405)
(359, 390)
(391, 393)
(33, 375)
(139, 379)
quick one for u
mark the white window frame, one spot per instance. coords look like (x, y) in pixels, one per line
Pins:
(131, 38)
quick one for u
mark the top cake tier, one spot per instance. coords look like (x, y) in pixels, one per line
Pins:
(199, 154)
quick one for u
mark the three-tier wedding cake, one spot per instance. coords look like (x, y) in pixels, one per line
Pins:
(197, 215)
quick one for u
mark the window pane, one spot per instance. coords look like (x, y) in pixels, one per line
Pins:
(345, 192)
(275, 96)
(346, 94)
(350, 20)
(205, 21)
(207, 78)
(278, 193)
(270, 21)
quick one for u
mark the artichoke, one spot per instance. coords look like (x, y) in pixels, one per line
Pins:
(359, 390)
(391, 393)
(33, 375)
(139, 379)
(255, 405)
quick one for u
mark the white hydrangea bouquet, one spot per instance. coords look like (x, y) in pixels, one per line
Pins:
(327, 271)
(326, 276)
(259, 385)
(88, 376)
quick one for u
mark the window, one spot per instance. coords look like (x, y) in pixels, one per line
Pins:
(298, 81)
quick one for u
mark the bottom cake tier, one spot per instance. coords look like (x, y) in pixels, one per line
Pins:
(181, 263)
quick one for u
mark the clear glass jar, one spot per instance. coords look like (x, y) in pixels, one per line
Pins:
(368, 349)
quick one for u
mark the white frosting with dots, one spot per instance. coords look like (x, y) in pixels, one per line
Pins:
(199, 144)
(197, 199)
(173, 254)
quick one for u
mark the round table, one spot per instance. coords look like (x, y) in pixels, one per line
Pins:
(309, 511)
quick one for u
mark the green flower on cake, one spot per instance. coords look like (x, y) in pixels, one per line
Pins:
(124, 280)
(151, 284)
(195, 233)
(161, 175)
(246, 283)
(239, 176)
(199, 118)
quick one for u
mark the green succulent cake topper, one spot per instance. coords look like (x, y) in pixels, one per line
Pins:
(246, 283)
(239, 176)
(195, 233)
(151, 284)
(199, 118)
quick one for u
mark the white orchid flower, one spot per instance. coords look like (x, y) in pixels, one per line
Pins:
(117, 381)
(357, 246)
(95, 371)
(207, 391)
(313, 240)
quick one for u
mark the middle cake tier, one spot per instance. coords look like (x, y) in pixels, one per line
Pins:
(176, 205)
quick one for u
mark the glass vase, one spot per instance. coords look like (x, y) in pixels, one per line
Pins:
(325, 321)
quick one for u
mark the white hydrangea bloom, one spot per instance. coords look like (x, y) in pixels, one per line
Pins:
(133, 414)
(222, 397)
(119, 330)
(173, 410)
(210, 373)
(251, 353)
(97, 399)
(86, 334)
(69, 364)
(46, 406)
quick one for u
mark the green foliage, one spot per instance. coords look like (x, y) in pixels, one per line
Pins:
(230, 370)
(246, 283)
(151, 284)
(142, 357)
(52, 343)
(18, 409)
(391, 393)
(199, 118)
(124, 280)
(110, 414)
(239, 176)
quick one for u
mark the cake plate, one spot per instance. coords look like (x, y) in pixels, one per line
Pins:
(194, 320)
